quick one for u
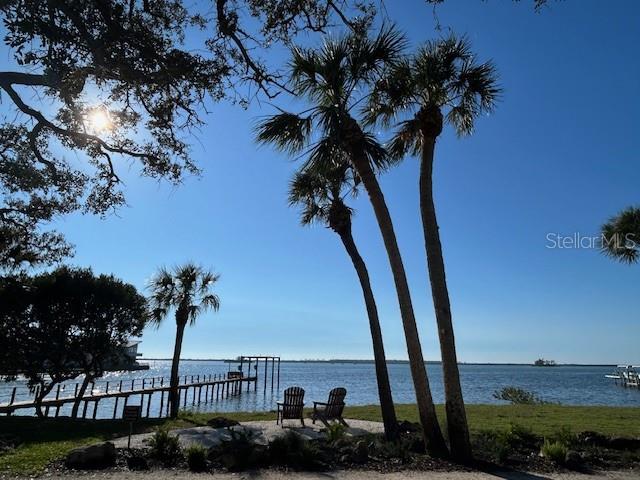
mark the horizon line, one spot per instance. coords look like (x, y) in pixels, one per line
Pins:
(348, 360)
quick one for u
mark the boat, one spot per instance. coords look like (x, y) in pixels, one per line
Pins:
(626, 376)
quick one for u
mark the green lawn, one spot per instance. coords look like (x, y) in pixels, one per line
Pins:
(45, 440)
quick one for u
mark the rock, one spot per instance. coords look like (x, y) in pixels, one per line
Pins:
(100, 455)
(622, 443)
(573, 460)
(8, 442)
(592, 438)
(137, 463)
(361, 452)
(222, 422)
(408, 427)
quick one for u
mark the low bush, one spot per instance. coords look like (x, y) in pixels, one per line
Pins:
(335, 432)
(165, 447)
(196, 456)
(565, 436)
(240, 452)
(403, 448)
(501, 444)
(518, 396)
(294, 451)
(555, 451)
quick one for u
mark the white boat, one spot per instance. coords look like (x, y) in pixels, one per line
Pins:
(626, 375)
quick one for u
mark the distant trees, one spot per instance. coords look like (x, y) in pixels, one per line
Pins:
(59, 325)
(187, 291)
(541, 362)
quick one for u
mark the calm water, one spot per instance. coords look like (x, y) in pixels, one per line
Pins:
(567, 385)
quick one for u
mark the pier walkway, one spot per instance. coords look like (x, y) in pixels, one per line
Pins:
(203, 388)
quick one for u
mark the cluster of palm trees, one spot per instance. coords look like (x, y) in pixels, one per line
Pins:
(353, 84)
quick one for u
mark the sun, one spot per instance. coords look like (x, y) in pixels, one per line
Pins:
(99, 120)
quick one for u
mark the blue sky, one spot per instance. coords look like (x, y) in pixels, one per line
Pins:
(559, 155)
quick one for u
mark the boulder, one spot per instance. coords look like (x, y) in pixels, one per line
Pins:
(573, 460)
(8, 442)
(361, 452)
(137, 463)
(593, 438)
(623, 443)
(222, 422)
(100, 455)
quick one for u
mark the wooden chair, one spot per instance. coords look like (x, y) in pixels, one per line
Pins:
(292, 405)
(332, 408)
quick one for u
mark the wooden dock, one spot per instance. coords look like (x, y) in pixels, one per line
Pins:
(204, 389)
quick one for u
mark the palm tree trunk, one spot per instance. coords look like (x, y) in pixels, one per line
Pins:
(382, 374)
(174, 398)
(434, 441)
(78, 400)
(456, 416)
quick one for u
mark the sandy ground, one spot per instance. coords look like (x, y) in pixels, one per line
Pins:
(342, 475)
(262, 432)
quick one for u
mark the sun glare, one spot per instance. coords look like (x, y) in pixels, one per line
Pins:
(99, 120)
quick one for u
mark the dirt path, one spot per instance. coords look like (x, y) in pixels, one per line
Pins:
(341, 475)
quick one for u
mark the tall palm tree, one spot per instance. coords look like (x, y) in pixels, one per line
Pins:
(333, 80)
(320, 195)
(621, 236)
(441, 83)
(187, 291)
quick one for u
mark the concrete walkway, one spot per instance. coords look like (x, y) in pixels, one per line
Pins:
(262, 432)
(341, 475)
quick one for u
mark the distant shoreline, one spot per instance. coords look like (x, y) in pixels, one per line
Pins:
(391, 362)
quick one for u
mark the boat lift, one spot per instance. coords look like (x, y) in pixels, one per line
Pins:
(626, 376)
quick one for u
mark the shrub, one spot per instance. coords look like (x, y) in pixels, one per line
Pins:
(335, 432)
(240, 452)
(196, 456)
(502, 443)
(403, 448)
(518, 396)
(165, 447)
(554, 451)
(294, 451)
(565, 436)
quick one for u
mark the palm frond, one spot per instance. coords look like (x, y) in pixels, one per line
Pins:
(406, 141)
(391, 94)
(287, 131)
(371, 55)
(186, 286)
(621, 236)
(376, 153)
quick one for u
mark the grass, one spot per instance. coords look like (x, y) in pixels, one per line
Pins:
(43, 441)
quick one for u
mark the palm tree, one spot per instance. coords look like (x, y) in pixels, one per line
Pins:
(187, 291)
(441, 83)
(321, 198)
(621, 234)
(332, 79)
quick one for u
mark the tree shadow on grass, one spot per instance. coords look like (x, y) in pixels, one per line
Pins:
(37, 430)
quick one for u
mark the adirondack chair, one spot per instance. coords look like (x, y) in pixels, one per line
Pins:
(332, 408)
(292, 405)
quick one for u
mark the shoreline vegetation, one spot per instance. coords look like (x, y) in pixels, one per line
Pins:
(389, 362)
(41, 442)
